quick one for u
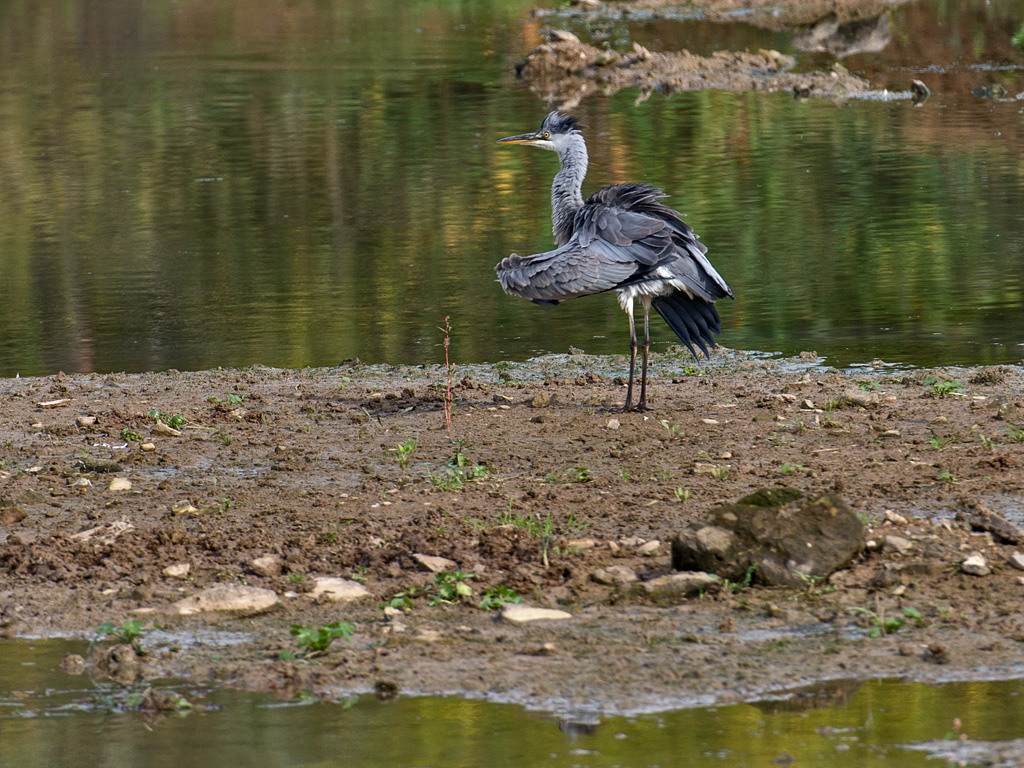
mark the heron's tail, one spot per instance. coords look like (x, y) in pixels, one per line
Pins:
(693, 320)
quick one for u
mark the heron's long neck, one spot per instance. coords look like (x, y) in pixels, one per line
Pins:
(566, 194)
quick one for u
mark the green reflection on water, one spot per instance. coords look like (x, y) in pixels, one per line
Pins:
(50, 719)
(198, 184)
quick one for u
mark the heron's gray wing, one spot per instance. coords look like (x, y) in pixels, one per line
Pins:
(630, 217)
(567, 272)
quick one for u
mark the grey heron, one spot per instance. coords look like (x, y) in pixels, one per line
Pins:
(621, 239)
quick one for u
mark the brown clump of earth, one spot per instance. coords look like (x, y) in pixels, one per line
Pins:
(279, 479)
(565, 71)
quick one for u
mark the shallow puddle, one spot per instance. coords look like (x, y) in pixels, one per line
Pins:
(49, 718)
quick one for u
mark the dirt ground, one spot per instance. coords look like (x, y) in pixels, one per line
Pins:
(350, 471)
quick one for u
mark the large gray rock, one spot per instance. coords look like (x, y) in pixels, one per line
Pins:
(789, 538)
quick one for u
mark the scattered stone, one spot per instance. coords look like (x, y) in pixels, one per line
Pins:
(521, 614)
(975, 565)
(183, 508)
(807, 405)
(936, 653)
(12, 515)
(898, 544)
(177, 571)
(885, 578)
(162, 429)
(893, 517)
(85, 421)
(581, 544)
(1016, 560)
(614, 575)
(632, 541)
(435, 564)
(337, 590)
(673, 588)
(147, 447)
(54, 403)
(238, 599)
(984, 519)
(788, 537)
(120, 484)
(649, 548)
(858, 398)
(92, 464)
(542, 400)
(703, 468)
(268, 566)
(613, 424)
(106, 534)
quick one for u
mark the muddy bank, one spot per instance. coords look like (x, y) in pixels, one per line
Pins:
(564, 71)
(770, 14)
(123, 495)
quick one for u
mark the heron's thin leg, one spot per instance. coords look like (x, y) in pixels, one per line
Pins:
(632, 357)
(646, 301)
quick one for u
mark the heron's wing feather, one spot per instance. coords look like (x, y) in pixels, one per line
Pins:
(567, 272)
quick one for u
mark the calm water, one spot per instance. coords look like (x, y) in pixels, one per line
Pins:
(49, 719)
(201, 183)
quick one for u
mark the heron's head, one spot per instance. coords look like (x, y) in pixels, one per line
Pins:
(553, 133)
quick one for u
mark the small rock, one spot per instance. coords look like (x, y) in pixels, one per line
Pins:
(238, 599)
(894, 517)
(898, 544)
(54, 403)
(975, 565)
(268, 565)
(542, 400)
(11, 515)
(435, 564)
(162, 429)
(703, 468)
(672, 589)
(711, 422)
(120, 484)
(85, 421)
(147, 447)
(177, 571)
(337, 590)
(649, 548)
(613, 424)
(614, 575)
(183, 508)
(1017, 561)
(520, 614)
(581, 544)
(632, 541)
(807, 405)
(82, 482)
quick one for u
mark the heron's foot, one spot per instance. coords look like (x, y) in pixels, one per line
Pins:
(638, 408)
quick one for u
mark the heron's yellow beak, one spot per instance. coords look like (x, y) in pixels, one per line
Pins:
(522, 138)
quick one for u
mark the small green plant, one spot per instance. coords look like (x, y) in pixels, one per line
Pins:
(720, 472)
(682, 494)
(938, 443)
(130, 435)
(1018, 37)
(313, 642)
(403, 452)
(129, 633)
(882, 625)
(1017, 435)
(175, 421)
(296, 578)
(450, 588)
(670, 428)
(402, 600)
(988, 442)
(744, 582)
(497, 597)
(868, 386)
(581, 474)
(944, 388)
(790, 469)
(946, 477)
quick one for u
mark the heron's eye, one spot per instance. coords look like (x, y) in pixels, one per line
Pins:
(547, 135)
